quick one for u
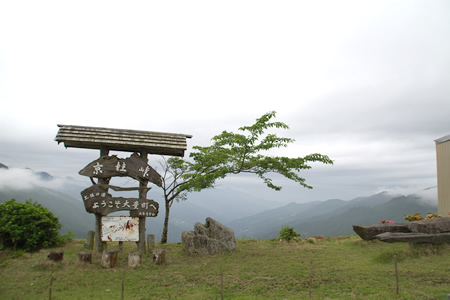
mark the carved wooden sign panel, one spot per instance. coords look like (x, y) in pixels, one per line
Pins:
(97, 200)
(133, 166)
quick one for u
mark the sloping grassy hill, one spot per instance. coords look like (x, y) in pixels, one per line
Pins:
(329, 268)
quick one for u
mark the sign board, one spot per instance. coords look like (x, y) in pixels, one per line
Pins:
(133, 166)
(120, 229)
(97, 200)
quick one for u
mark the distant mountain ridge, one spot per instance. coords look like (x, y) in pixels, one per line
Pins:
(332, 217)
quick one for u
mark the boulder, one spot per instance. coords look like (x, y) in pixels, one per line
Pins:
(369, 232)
(211, 238)
(431, 226)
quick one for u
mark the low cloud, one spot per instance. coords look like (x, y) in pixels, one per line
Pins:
(22, 179)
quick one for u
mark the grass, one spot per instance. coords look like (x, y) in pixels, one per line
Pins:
(339, 268)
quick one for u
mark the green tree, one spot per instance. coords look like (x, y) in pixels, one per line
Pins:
(28, 226)
(233, 153)
(288, 233)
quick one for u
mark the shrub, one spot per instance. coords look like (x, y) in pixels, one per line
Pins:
(386, 222)
(414, 217)
(28, 226)
(288, 233)
(418, 217)
(431, 216)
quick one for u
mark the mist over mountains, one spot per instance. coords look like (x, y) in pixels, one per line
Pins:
(247, 216)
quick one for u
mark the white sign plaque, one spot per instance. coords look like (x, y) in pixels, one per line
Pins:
(120, 229)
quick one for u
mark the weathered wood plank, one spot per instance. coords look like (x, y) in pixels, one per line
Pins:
(173, 144)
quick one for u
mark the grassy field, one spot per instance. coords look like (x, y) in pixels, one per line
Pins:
(330, 268)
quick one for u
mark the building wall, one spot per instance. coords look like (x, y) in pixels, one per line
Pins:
(443, 175)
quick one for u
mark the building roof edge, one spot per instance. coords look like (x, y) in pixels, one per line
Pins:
(443, 139)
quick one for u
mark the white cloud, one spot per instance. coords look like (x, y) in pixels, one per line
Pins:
(16, 178)
(365, 82)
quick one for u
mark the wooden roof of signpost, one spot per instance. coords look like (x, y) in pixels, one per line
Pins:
(173, 144)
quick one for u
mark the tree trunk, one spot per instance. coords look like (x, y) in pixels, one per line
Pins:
(56, 255)
(159, 256)
(134, 259)
(166, 224)
(84, 257)
(109, 258)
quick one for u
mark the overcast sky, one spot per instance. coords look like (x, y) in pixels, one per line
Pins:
(365, 82)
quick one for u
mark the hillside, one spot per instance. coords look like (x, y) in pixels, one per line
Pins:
(332, 217)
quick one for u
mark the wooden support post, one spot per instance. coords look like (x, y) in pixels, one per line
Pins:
(141, 243)
(142, 195)
(90, 240)
(98, 233)
(150, 242)
(99, 245)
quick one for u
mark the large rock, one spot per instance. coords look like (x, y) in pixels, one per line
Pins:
(431, 226)
(211, 238)
(369, 232)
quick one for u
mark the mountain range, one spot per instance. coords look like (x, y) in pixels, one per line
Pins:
(248, 218)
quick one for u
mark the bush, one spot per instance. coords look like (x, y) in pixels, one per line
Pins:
(418, 217)
(28, 226)
(414, 217)
(288, 233)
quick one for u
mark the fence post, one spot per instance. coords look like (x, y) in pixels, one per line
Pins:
(221, 285)
(310, 280)
(396, 273)
(123, 285)
(50, 288)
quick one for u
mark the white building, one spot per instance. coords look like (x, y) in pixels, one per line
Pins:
(443, 175)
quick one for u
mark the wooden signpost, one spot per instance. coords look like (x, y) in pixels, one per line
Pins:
(96, 198)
